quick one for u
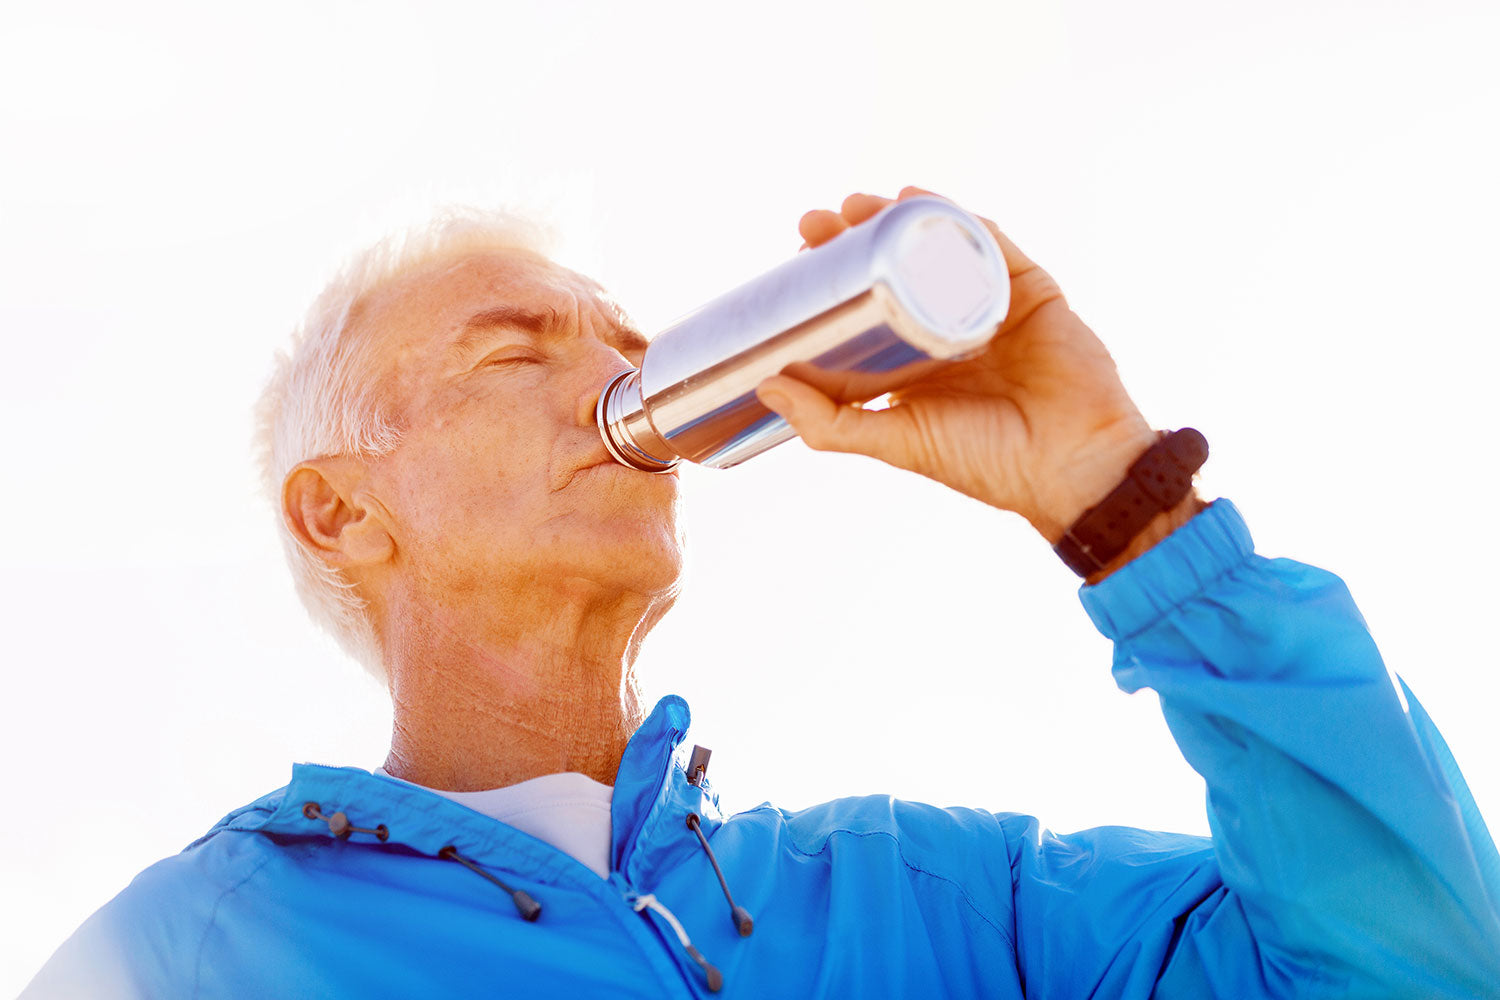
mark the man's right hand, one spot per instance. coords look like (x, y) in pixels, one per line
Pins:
(1039, 423)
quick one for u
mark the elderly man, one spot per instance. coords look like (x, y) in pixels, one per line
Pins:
(453, 517)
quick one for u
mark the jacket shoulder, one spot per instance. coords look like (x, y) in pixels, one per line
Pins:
(942, 852)
(971, 846)
(146, 941)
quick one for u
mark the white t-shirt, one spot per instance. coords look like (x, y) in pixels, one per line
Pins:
(570, 811)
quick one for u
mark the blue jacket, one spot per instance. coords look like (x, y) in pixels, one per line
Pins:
(1347, 856)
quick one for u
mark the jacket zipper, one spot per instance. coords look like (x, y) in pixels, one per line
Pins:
(641, 902)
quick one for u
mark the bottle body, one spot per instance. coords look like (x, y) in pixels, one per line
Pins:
(878, 307)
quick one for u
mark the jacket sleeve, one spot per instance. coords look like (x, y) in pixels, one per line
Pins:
(1347, 855)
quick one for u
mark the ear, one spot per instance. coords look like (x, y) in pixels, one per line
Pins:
(333, 516)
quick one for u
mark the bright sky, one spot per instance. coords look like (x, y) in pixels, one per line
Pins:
(1280, 217)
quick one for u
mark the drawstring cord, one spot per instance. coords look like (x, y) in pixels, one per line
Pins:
(714, 976)
(697, 769)
(340, 827)
(529, 908)
(741, 916)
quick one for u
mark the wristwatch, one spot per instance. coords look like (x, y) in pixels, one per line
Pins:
(1157, 482)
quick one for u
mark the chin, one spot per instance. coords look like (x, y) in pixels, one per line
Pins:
(655, 567)
(644, 544)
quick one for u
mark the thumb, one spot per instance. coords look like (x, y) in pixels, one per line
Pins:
(826, 425)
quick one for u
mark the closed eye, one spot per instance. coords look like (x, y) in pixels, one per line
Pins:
(509, 361)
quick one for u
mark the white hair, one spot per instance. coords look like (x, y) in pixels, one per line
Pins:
(323, 398)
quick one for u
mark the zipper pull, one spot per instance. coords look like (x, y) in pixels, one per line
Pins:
(698, 764)
(644, 901)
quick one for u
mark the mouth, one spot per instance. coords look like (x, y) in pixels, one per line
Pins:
(608, 464)
(621, 467)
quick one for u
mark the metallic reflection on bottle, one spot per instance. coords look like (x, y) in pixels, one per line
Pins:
(918, 286)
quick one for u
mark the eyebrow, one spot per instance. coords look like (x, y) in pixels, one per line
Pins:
(545, 322)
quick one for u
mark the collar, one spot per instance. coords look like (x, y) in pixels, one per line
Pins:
(651, 800)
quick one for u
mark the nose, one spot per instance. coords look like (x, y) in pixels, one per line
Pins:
(599, 364)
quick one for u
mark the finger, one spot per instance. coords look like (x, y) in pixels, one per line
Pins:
(1016, 262)
(820, 225)
(826, 425)
(859, 207)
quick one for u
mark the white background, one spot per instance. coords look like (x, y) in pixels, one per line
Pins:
(1280, 216)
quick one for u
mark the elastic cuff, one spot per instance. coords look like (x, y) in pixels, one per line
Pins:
(1174, 570)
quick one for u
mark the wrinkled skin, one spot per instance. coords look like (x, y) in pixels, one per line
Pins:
(512, 568)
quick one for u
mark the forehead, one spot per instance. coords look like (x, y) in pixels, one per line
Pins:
(431, 304)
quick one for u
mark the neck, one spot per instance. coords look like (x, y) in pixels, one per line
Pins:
(485, 698)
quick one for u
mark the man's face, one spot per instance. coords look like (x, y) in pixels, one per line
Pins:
(493, 362)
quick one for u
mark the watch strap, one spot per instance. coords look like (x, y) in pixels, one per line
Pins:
(1157, 482)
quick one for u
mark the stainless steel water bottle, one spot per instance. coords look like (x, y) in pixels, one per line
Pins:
(921, 284)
